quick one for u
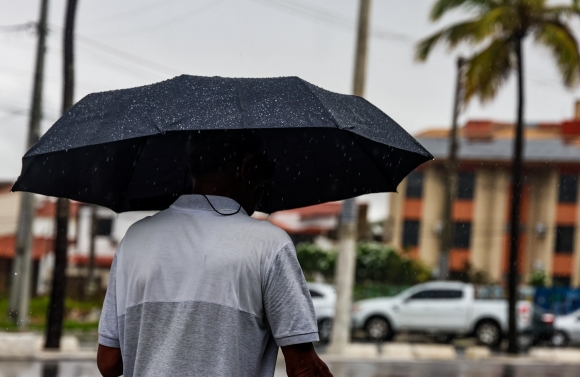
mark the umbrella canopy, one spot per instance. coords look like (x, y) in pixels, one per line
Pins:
(125, 149)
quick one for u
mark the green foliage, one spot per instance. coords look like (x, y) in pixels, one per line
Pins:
(364, 291)
(314, 260)
(375, 263)
(39, 309)
(494, 30)
(538, 279)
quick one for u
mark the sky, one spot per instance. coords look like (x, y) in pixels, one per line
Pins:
(129, 43)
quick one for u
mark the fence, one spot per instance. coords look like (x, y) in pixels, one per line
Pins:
(558, 300)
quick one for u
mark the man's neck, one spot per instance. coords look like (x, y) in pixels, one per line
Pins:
(215, 187)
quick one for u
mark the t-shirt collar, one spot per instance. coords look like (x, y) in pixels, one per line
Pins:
(199, 202)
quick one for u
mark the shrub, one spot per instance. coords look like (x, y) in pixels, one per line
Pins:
(375, 263)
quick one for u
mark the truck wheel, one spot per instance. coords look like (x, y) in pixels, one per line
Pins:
(378, 329)
(559, 339)
(488, 333)
(325, 330)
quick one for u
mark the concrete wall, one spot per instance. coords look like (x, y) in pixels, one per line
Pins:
(9, 205)
(395, 219)
(431, 216)
(576, 258)
(489, 223)
(482, 228)
(543, 200)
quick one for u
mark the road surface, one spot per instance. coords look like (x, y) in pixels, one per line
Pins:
(458, 368)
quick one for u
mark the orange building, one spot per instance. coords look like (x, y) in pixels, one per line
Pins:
(550, 219)
(42, 230)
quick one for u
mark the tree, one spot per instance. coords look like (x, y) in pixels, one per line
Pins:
(497, 31)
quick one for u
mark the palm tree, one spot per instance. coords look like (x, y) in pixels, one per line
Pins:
(497, 30)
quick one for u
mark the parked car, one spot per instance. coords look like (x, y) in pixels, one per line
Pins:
(441, 309)
(540, 329)
(323, 299)
(566, 329)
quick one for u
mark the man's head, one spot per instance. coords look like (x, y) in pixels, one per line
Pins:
(229, 163)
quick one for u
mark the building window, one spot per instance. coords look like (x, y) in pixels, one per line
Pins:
(104, 227)
(414, 185)
(410, 233)
(568, 188)
(564, 239)
(462, 235)
(561, 281)
(465, 185)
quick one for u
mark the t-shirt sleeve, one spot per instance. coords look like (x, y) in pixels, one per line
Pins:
(108, 326)
(287, 303)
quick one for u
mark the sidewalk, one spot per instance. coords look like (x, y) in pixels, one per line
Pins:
(28, 346)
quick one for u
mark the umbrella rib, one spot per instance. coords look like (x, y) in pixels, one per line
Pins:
(388, 179)
(135, 161)
(242, 104)
(319, 101)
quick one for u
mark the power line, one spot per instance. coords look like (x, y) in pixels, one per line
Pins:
(136, 11)
(127, 55)
(334, 18)
(15, 28)
(135, 59)
(149, 28)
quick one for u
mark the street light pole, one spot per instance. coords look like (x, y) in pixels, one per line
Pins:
(21, 269)
(345, 267)
(450, 182)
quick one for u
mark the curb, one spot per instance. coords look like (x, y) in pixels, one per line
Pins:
(29, 346)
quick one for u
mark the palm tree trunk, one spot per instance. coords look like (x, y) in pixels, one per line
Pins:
(517, 185)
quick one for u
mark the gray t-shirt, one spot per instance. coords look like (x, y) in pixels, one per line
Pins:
(195, 293)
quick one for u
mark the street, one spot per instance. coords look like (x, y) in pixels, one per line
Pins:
(459, 368)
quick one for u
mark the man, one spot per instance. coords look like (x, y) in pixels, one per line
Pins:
(203, 289)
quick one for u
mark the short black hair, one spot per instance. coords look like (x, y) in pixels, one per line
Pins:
(221, 151)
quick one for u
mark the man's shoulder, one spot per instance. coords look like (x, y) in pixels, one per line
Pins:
(266, 230)
(146, 224)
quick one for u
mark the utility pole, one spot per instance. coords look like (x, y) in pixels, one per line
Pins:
(450, 182)
(90, 285)
(56, 306)
(21, 269)
(345, 267)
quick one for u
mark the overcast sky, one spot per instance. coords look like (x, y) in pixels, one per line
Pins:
(135, 42)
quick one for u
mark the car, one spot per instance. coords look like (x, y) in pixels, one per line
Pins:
(566, 329)
(540, 329)
(443, 310)
(323, 299)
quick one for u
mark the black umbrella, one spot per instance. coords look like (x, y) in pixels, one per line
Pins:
(125, 149)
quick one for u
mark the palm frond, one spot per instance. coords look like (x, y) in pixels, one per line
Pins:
(443, 6)
(493, 23)
(488, 70)
(558, 38)
(425, 46)
(558, 12)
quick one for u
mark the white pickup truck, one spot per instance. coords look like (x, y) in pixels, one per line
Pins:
(441, 309)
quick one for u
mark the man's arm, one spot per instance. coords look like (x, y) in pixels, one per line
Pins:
(109, 361)
(302, 361)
